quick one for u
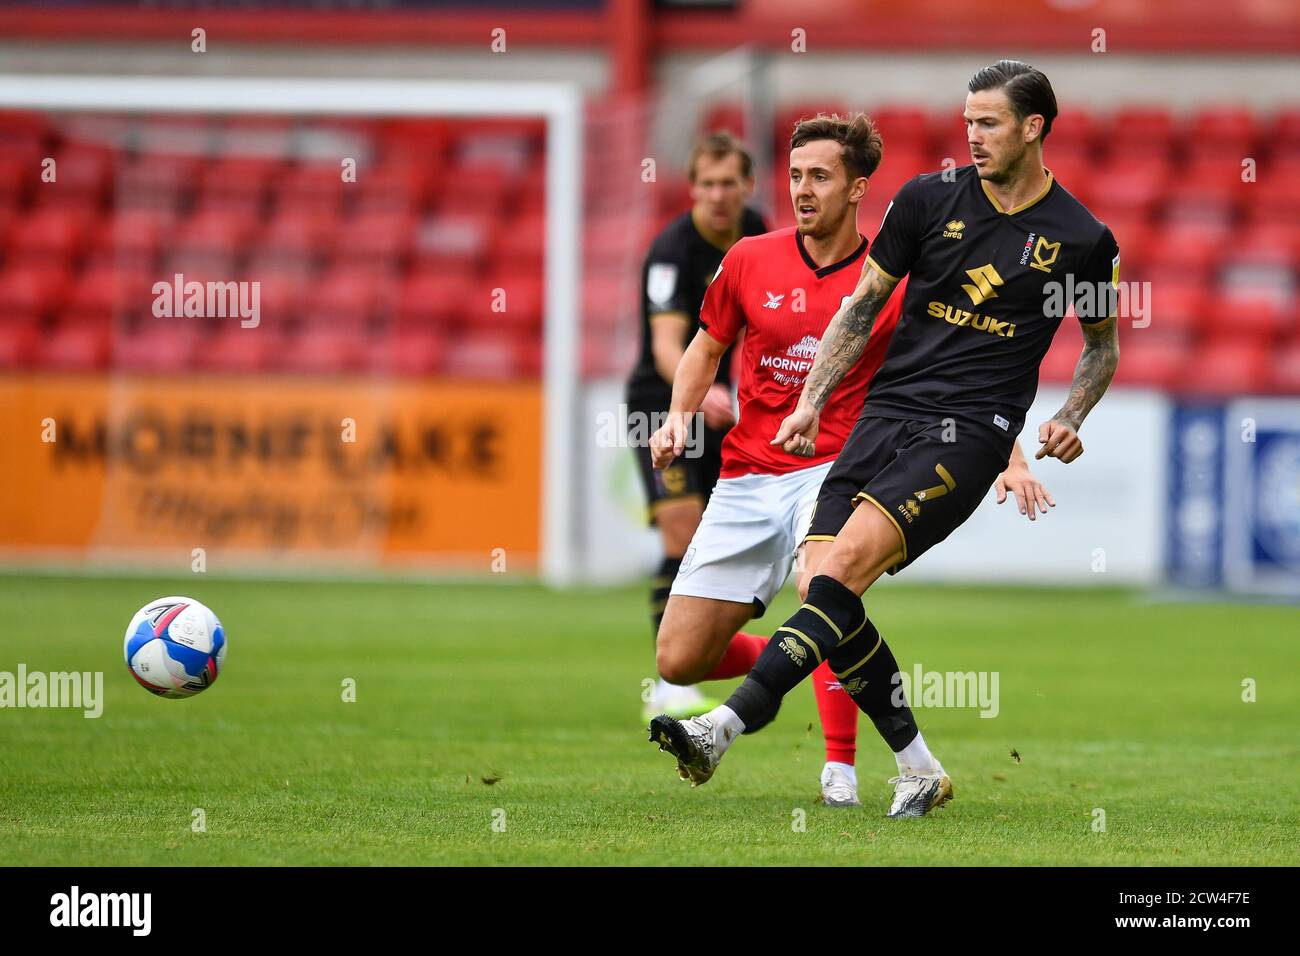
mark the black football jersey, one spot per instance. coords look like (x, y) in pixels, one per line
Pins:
(987, 289)
(677, 271)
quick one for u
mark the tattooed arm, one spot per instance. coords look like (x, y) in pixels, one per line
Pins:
(1060, 435)
(840, 349)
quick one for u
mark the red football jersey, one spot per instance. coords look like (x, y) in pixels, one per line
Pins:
(769, 285)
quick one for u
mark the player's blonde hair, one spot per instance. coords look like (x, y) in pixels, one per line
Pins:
(718, 146)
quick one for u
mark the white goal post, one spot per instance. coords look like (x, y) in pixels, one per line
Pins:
(560, 105)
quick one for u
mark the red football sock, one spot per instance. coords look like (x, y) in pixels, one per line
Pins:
(740, 657)
(839, 715)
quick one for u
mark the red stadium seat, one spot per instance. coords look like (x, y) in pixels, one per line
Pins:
(410, 351)
(1152, 361)
(530, 194)
(320, 350)
(521, 296)
(379, 238)
(488, 197)
(237, 178)
(1075, 131)
(458, 242)
(134, 237)
(76, 346)
(672, 194)
(299, 235)
(1073, 171)
(419, 136)
(216, 231)
(157, 345)
(485, 354)
(156, 181)
(103, 291)
(1180, 307)
(1220, 130)
(1286, 369)
(350, 298)
(52, 234)
(16, 178)
(1188, 249)
(20, 341)
(1275, 197)
(1140, 129)
(83, 176)
(791, 113)
(725, 116)
(902, 127)
(608, 303)
(1229, 366)
(397, 187)
(1207, 190)
(33, 289)
(311, 187)
(1133, 183)
(523, 241)
(236, 349)
(432, 299)
(1256, 309)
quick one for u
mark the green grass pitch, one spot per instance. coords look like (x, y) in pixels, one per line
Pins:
(1113, 702)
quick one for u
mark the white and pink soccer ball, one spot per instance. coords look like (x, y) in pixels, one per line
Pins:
(175, 647)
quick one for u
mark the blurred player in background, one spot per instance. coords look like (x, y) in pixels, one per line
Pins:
(677, 271)
(781, 289)
(986, 253)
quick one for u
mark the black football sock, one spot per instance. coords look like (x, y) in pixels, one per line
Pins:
(663, 583)
(797, 647)
(868, 672)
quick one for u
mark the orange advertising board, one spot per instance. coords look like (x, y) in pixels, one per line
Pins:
(314, 470)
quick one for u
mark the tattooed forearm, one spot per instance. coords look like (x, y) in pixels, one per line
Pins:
(1093, 373)
(846, 337)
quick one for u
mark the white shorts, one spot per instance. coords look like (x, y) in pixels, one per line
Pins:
(745, 545)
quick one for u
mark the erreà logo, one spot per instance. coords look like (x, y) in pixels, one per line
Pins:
(953, 229)
(794, 650)
(985, 278)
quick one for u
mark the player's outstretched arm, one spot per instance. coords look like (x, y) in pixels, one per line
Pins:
(695, 376)
(1097, 364)
(846, 337)
(1020, 481)
(840, 349)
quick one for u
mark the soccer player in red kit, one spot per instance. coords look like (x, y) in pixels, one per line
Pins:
(783, 288)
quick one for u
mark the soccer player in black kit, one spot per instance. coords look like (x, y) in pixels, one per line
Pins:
(681, 263)
(988, 249)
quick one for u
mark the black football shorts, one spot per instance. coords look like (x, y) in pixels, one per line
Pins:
(925, 477)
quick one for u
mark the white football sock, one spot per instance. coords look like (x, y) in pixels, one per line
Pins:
(726, 727)
(845, 768)
(917, 756)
